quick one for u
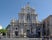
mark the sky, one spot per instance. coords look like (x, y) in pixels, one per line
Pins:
(10, 8)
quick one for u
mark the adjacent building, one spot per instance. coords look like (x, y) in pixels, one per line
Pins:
(47, 26)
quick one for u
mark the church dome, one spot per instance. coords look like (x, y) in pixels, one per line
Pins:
(13, 20)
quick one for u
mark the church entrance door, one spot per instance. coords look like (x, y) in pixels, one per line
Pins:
(16, 33)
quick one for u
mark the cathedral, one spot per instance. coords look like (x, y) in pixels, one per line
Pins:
(26, 25)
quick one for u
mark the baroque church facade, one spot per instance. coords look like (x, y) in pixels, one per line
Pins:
(26, 25)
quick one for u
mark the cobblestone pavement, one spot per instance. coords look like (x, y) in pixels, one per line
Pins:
(20, 39)
(23, 39)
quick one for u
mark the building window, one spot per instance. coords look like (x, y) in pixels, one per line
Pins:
(16, 28)
(28, 17)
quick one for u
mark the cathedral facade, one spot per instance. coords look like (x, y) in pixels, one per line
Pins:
(26, 25)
